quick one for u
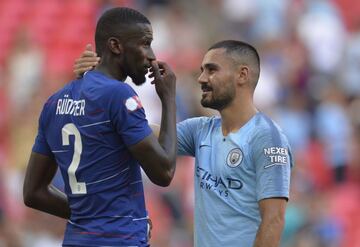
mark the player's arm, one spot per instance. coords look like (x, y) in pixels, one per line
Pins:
(273, 161)
(155, 129)
(272, 211)
(157, 156)
(156, 153)
(38, 193)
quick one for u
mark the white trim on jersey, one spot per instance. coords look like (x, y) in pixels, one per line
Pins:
(88, 125)
(112, 176)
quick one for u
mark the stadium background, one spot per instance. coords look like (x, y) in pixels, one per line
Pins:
(310, 84)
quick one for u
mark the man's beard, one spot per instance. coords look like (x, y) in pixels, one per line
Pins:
(138, 79)
(218, 103)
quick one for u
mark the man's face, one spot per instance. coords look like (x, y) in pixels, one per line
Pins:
(138, 53)
(217, 79)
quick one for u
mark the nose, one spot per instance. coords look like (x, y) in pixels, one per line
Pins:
(202, 78)
(150, 55)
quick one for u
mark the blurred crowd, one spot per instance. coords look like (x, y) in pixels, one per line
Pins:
(309, 83)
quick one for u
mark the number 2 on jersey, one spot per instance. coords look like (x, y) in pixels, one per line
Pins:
(67, 130)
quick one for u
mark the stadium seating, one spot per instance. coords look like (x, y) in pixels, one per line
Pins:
(54, 26)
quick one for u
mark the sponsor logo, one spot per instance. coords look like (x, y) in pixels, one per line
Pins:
(276, 156)
(217, 184)
(133, 103)
(234, 158)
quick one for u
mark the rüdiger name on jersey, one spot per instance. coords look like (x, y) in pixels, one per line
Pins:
(70, 106)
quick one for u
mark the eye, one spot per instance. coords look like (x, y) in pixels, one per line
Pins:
(147, 43)
(211, 70)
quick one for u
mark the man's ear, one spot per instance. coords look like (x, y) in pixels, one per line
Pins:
(243, 73)
(115, 45)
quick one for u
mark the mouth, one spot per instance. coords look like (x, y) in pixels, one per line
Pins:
(206, 90)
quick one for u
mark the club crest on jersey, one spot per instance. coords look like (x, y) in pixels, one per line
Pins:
(133, 103)
(234, 157)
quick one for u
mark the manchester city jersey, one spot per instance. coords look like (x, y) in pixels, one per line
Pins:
(87, 127)
(232, 174)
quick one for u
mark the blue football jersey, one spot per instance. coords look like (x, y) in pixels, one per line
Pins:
(87, 127)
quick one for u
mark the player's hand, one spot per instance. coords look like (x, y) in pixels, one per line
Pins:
(87, 61)
(164, 79)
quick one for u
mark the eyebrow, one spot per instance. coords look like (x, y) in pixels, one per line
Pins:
(209, 66)
(150, 38)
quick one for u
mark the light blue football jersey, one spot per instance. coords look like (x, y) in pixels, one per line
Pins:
(232, 173)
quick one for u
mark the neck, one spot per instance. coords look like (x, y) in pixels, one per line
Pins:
(111, 68)
(237, 114)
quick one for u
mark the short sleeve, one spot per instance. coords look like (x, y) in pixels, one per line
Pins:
(128, 115)
(273, 161)
(41, 146)
(186, 135)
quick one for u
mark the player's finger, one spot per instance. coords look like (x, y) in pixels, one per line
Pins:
(152, 76)
(163, 67)
(84, 64)
(94, 60)
(156, 71)
(86, 60)
(80, 72)
(153, 79)
(88, 54)
(89, 50)
(152, 70)
(83, 69)
(89, 47)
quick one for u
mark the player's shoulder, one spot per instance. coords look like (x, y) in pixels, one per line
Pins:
(264, 122)
(210, 122)
(121, 89)
(52, 101)
(104, 85)
(265, 127)
(200, 128)
(203, 122)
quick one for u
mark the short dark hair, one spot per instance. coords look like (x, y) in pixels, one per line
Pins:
(244, 53)
(114, 20)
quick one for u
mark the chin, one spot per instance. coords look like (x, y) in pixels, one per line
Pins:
(139, 81)
(216, 105)
(207, 104)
